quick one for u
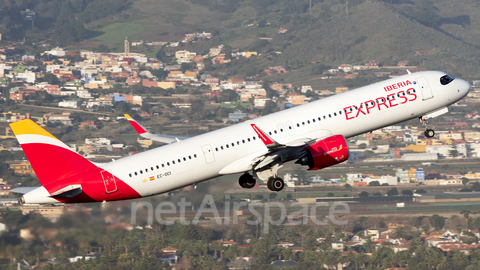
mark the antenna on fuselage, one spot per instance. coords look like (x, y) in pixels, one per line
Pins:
(408, 71)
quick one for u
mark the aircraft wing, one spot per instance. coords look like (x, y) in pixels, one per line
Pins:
(152, 136)
(277, 152)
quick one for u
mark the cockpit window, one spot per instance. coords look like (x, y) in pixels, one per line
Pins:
(444, 80)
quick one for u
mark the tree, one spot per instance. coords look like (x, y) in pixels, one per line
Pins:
(103, 48)
(272, 196)
(453, 152)
(50, 78)
(330, 194)
(11, 218)
(364, 194)
(407, 192)
(437, 221)
(161, 54)
(465, 181)
(392, 192)
(374, 183)
(425, 228)
(420, 190)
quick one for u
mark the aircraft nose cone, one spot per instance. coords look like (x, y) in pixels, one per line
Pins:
(464, 86)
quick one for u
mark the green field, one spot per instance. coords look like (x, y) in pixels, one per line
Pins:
(116, 33)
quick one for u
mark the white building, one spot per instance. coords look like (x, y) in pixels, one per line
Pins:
(27, 76)
(68, 104)
(83, 93)
(51, 68)
(57, 52)
(98, 141)
(306, 88)
(420, 156)
(68, 93)
(260, 101)
(444, 150)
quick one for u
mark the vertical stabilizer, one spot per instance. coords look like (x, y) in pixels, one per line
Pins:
(51, 159)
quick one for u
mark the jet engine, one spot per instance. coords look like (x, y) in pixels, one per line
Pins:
(325, 153)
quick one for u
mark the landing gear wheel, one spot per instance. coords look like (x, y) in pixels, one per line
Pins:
(246, 181)
(275, 184)
(429, 133)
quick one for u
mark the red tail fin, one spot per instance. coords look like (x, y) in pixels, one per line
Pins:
(51, 159)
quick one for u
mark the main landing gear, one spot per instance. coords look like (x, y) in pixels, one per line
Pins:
(429, 133)
(246, 181)
(275, 184)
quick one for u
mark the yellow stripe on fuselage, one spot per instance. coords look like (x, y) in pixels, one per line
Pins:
(27, 126)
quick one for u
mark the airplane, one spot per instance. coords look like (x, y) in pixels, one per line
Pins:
(312, 135)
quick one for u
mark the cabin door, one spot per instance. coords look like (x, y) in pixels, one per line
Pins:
(208, 153)
(425, 88)
(109, 182)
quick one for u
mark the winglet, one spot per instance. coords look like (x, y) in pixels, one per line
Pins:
(267, 140)
(139, 128)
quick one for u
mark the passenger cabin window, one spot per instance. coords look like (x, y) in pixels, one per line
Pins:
(444, 80)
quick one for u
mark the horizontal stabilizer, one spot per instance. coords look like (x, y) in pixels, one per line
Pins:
(68, 191)
(23, 190)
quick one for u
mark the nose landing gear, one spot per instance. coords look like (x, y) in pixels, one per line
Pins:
(429, 133)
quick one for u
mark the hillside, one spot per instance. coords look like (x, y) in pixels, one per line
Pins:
(387, 31)
(384, 30)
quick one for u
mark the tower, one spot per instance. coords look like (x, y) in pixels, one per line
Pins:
(127, 47)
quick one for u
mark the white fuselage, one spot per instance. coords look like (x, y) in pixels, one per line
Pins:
(232, 149)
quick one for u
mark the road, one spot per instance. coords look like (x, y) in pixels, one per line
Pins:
(64, 109)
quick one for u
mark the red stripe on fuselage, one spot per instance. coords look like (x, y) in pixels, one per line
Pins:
(57, 167)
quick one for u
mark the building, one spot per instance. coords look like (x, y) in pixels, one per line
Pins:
(420, 175)
(402, 176)
(260, 101)
(296, 99)
(412, 175)
(145, 143)
(341, 89)
(420, 156)
(68, 104)
(22, 168)
(236, 116)
(168, 255)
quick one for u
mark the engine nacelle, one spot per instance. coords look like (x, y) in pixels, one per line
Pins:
(325, 153)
